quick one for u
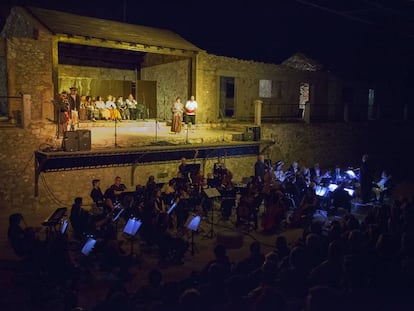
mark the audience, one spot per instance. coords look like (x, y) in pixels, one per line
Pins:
(350, 265)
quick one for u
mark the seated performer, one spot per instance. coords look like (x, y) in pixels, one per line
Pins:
(112, 194)
(383, 186)
(218, 171)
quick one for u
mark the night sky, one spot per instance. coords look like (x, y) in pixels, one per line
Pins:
(358, 39)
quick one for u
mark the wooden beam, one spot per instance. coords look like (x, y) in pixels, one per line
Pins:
(130, 46)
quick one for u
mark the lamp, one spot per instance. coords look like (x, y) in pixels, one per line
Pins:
(89, 246)
(64, 226)
(193, 223)
(132, 226)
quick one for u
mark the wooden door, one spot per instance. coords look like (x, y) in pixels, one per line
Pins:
(147, 94)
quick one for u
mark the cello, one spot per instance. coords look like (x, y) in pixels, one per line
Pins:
(275, 210)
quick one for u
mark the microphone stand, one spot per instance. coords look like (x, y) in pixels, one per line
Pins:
(115, 134)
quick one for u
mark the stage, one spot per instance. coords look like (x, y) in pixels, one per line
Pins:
(130, 143)
(131, 134)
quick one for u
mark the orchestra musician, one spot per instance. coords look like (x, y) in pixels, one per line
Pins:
(183, 170)
(275, 210)
(159, 212)
(113, 194)
(306, 208)
(248, 207)
(280, 175)
(218, 171)
(383, 186)
(96, 193)
(259, 170)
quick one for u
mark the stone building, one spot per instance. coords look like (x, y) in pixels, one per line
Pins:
(44, 52)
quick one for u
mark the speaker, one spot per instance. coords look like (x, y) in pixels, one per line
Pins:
(84, 140)
(256, 133)
(248, 136)
(70, 141)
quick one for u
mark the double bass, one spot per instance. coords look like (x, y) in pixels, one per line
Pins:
(275, 210)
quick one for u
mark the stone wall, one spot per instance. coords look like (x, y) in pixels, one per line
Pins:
(284, 100)
(327, 144)
(95, 81)
(172, 81)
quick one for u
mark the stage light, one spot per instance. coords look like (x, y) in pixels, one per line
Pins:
(194, 223)
(132, 226)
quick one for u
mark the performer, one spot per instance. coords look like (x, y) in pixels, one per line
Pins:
(278, 172)
(183, 170)
(218, 171)
(177, 115)
(366, 174)
(64, 113)
(190, 111)
(259, 170)
(96, 193)
(75, 104)
(113, 193)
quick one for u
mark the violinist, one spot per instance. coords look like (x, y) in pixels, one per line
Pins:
(218, 171)
(159, 212)
(278, 172)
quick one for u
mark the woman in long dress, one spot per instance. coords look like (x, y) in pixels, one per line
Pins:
(177, 111)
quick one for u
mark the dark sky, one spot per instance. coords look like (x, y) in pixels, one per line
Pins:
(358, 38)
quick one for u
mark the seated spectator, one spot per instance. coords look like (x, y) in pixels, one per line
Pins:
(78, 218)
(253, 261)
(16, 235)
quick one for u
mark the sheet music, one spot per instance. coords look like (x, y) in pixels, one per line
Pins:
(212, 192)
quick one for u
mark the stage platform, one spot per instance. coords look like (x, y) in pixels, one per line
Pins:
(107, 134)
(129, 143)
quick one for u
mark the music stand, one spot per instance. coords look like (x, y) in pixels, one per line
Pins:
(116, 214)
(64, 226)
(193, 223)
(89, 246)
(211, 193)
(131, 228)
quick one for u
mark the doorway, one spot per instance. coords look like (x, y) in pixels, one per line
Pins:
(147, 95)
(303, 98)
(226, 105)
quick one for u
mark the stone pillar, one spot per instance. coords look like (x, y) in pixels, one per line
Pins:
(258, 112)
(27, 110)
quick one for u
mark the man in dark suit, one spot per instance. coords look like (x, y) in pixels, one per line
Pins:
(74, 104)
(366, 178)
(259, 170)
